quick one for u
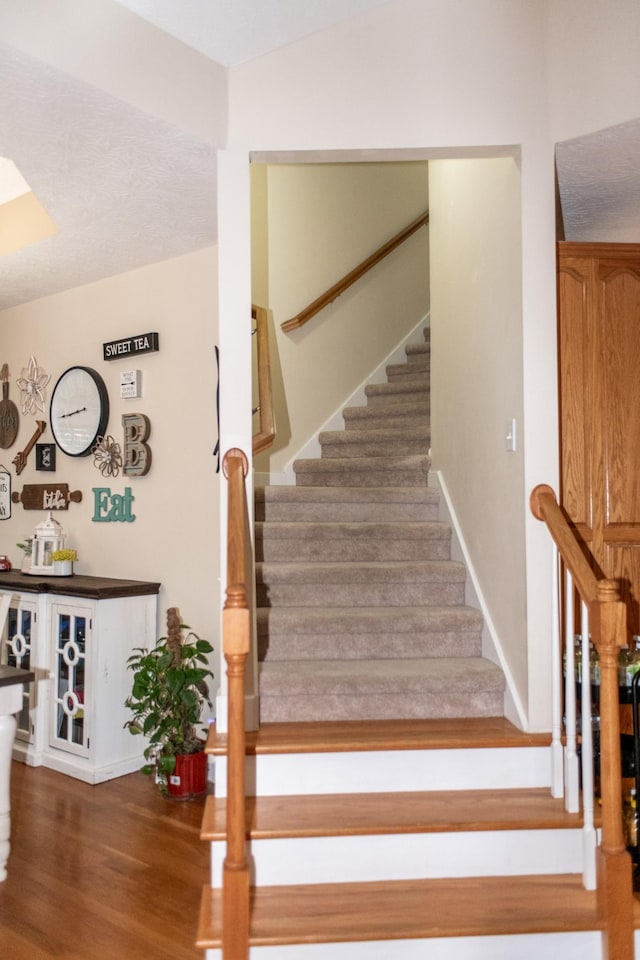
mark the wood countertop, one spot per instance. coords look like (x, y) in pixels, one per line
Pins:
(77, 585)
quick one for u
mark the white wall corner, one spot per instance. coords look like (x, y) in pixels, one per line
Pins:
(311, 449)
(251, 712)
(491, 646)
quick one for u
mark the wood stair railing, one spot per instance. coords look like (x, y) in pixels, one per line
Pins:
(236, 628)
(354, 275)
(607, 623)
(266, 432)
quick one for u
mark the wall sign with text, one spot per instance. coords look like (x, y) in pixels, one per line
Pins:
(111, 507)
(130, 346)
(5, 493)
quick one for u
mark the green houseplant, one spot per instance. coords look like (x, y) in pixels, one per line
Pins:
(168, 693)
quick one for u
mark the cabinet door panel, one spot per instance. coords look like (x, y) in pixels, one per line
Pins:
(70, 701)
(599, 346)
(576, 334)
(620, 380)
(16, 651)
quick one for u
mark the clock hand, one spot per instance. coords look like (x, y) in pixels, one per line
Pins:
(71, 414)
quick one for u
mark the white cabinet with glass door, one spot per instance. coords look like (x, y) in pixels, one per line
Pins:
(77, 634)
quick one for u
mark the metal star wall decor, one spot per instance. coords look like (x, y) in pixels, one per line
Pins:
(32, 385)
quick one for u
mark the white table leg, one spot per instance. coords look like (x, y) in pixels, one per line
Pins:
(10, 703)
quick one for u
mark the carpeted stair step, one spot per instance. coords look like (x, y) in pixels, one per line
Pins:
(408, 471)
(417, 372)
(346, 504)
(418, 350)
(365, 541)
(398, 391)
(400, 415)
(385, 442)
(314, 690)
(321, 633)
(412, 583)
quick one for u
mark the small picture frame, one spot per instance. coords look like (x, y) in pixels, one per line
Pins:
(5, 493)
(46, 456)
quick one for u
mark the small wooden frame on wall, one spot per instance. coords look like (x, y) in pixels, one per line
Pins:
(5, 493)
(46, 456)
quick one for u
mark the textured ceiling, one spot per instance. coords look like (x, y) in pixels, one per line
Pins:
(126, 188)
(599, 180)
(232, 31)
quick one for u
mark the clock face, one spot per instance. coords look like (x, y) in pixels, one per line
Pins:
(79, 410)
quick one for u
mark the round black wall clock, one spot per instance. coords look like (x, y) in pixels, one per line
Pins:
(79, 411)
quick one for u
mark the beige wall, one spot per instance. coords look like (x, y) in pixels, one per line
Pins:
(424, 79)
(174, 538)
(322, 220)
(477, 382)
(593, 65)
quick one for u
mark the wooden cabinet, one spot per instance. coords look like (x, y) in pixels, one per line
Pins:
(76, 635)
(599, 351)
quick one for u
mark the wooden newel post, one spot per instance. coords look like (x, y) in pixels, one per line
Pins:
(615, 886)
(236, 626)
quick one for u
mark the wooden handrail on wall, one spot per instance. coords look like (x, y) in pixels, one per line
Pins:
(347, 281)
(236, 625)
(608, 627)
(266, 434)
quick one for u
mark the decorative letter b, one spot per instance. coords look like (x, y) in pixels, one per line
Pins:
(137, 453)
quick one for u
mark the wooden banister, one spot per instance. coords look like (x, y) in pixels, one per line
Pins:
(608, 628)
(544, 506)
(347, 281)
(266, 434)
(236, 625)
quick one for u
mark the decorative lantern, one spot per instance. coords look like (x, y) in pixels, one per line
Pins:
(48, 537)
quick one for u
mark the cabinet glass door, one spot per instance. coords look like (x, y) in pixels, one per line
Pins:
(69, 701)
(17, 645)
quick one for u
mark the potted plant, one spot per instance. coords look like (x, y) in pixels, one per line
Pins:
(63, 561)
(168, 693)
(26, 559)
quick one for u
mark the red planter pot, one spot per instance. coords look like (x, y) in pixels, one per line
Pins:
(189, 779)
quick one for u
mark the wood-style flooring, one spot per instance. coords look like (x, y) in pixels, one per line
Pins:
(106, 872)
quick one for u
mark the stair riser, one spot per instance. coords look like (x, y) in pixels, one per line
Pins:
(578, 945)
(328, 551)
(378, 395)
(385, 771)
(347, 646)
(380, 706)
(419, 367)
(359, 594)
(376, 420)
(418, 409)
(383, 448)
(409, 375)
(346, 512)
(367, 477)
(413, 856)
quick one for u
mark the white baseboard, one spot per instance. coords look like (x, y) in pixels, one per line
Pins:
(311, 449)
(491, 646)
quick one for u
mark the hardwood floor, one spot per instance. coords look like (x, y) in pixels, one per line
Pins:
(106, 872)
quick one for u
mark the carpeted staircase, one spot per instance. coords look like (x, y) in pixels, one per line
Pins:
(361, 611)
